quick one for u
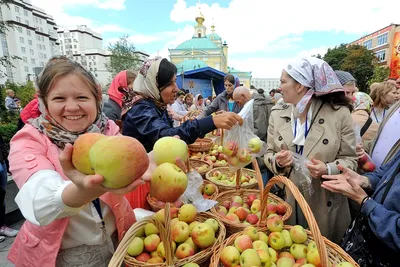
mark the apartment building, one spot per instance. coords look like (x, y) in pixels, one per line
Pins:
(33, 38)
(386, 45)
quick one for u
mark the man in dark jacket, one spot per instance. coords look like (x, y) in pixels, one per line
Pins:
(261, 111)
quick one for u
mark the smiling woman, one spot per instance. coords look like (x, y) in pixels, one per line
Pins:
(71, 219)
(148, 119)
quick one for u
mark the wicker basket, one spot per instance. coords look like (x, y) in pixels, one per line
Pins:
(156, 207)
(194, 163)
(201, 145)
(213, 196)
(226, 170)
(329, 252)
(234, 227)
(201, 258)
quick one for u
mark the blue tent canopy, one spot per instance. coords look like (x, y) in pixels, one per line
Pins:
(207, 74)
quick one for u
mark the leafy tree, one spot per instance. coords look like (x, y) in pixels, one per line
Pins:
(6, 61)
(335, 56)
(380, 74)
(360, 62)
(123, 56)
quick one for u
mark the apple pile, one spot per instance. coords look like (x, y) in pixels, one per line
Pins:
(196, 155)
(366, 164)
(188, 236)
(208, 189)
(229, 178)
(168, 181)
(241, 156)
(248, 210)
(201, 169)
(216, 156)
(281, 248)
(119, 159)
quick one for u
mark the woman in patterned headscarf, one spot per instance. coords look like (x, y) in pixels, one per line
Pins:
(361, 116)
(148, 119)
(314, 121)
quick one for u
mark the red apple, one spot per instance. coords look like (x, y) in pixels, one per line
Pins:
(226, 204)
(232, 217)
(241, 213)
(252, 219)
(281, 209)
(144, 257)
(250, 199)
(271, 208)
(368, 166)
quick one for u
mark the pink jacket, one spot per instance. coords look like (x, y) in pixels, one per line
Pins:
(35, 245)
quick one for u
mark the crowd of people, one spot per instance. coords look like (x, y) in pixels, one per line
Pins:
(71, 220)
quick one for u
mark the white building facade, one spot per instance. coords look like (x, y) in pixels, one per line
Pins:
(266, 83)
(33, 38)
(85, 46)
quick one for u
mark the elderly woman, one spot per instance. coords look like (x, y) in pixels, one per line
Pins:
(361, 116)
(374, 237)
(148, 119)
(313, 121)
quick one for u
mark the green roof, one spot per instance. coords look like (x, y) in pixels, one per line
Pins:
(197, 43)
(190, 64)
(213, 36)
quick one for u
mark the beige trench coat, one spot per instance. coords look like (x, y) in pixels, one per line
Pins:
(332, 140)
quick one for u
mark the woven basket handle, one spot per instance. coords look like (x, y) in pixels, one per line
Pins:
(167, 237)
(306, 211)
(221, 136)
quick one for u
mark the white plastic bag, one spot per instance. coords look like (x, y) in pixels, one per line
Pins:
(192, 194)
(241, 145)
(300, 170)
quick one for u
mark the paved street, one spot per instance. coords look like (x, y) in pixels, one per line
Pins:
(5, 247)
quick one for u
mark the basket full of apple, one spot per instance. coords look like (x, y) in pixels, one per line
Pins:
(242, 207)
(276, 244)
(171, 237)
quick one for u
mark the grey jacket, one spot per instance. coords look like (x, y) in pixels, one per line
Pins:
(220, 103)
(112, 110)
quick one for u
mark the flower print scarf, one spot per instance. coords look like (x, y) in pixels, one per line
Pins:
(60, 136)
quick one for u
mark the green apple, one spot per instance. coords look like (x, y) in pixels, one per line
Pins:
(263, 237)
(298, 234)
(252, 232)
(288, 239)
(298, 251)
(276, 240)
(230, 256)
(213, 223)
(180, 232)
(150, 229)
(136, 247)
(250, 258)
(260, 245)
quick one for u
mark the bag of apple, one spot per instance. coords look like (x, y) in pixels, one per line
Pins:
(365, 162)
(241, 145)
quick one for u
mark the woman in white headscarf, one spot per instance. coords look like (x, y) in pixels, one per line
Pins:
(198, 104)
(313, 122)
(148, 119)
